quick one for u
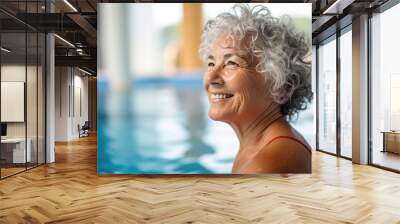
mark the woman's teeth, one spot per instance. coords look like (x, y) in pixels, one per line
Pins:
(220, 96)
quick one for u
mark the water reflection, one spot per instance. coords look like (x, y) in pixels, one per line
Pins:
(195, 121)
(162, 131)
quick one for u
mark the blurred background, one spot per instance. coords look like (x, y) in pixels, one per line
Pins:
(152, 110)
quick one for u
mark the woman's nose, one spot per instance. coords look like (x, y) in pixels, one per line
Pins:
(215, 78)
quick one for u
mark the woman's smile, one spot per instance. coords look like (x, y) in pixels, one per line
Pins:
(220, 97)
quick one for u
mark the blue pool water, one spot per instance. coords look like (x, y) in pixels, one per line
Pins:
(162, 128)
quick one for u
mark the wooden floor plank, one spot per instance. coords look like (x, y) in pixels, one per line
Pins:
(70, 191)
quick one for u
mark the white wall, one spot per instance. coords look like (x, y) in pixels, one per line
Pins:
(71, 87)
(79, 117)
(62, 82)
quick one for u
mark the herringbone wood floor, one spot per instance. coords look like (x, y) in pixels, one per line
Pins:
(70, 191)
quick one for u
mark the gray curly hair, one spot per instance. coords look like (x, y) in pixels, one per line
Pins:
(283, 53)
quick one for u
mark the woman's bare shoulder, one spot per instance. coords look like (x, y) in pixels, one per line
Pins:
(281, 156)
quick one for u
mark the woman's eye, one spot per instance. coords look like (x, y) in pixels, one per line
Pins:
(210, 64)
(232, 63)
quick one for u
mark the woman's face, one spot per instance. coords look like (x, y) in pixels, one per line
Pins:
(235, 90)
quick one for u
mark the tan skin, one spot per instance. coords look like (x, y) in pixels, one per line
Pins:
(238, 96)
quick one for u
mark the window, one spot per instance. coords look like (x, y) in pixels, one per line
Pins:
(385, 89)
(23, 79)
(327, 96)
(346, 93)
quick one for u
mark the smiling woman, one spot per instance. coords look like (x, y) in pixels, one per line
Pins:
(257, 79)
